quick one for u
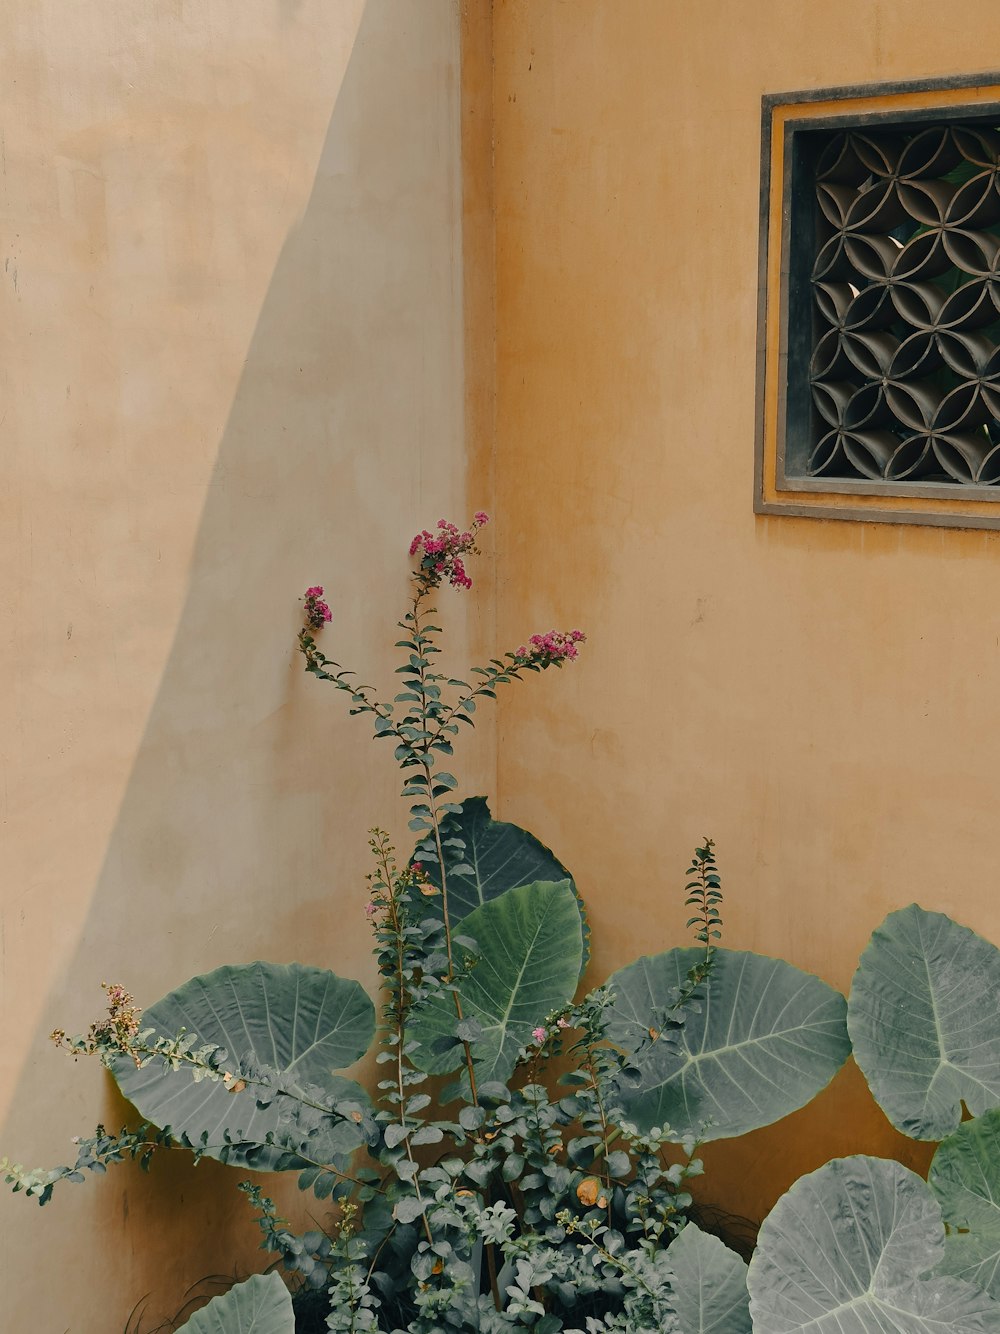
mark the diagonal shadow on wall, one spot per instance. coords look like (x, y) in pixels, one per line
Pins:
(241, 829)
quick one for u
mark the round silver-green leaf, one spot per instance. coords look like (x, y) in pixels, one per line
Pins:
(710, 1284)
(527, 965)
(965, 1179)
(261, 1305)
(845, 1252)
(922, 1017)
(762, 1039)
(305, 1023)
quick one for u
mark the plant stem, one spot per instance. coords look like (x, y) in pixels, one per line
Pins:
(427, 761)
(495, 676)
(595, 1085)
(400, 1015)
(379, 1249)
(491, 1265)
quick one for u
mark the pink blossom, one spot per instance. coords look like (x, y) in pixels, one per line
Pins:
(538, 1034)
(371, 909)
(562, 1022)
(551, 649)
(317, 611)
(441, 554)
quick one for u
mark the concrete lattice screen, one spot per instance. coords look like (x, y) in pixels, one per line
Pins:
(905, 370)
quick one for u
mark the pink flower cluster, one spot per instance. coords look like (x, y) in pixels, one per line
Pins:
(317, 611)
(552, 649)
(541, 1033)
(442, 552)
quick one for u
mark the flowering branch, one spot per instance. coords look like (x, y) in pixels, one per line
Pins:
(443, 554)
(429, 723)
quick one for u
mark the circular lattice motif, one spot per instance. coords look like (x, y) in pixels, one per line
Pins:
(905, 365)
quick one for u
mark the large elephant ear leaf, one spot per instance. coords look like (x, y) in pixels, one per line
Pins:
(842, 1253)
(710, 1285)
(297, 1024)
(965, 1179)
(485, 858)
(261, 1305)
(527, 965)
(922, 1017)
(762, 1039)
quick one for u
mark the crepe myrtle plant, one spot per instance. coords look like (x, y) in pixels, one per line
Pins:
(524, 1161)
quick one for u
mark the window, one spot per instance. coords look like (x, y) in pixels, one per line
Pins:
(879, 368)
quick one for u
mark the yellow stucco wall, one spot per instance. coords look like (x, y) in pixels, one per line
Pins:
(251, 304)
(233, 353)
(819, 696)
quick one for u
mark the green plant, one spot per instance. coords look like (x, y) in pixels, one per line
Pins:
(479, 1189)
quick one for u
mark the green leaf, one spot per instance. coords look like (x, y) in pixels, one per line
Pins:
(471, 1118)
(618, 1164)
(922, 1017)
(408, 1209)
(965, 1180)
(497, 857)
(710, 1285)
(513, 1166)
(841, 1253)
(762, 1041)
(300, 1021)
(468, 1030)
(261, 1305)
(528, 964)
(427, 1135)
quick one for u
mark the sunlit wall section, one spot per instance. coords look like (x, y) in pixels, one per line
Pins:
(233, 360)
(817, 696)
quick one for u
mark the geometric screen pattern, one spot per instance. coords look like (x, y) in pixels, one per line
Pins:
(905, 353)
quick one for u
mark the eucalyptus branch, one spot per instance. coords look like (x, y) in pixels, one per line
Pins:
(386, 890)
(589, 1230)
(119, 1035)
(94, 1154)
(328, 1169)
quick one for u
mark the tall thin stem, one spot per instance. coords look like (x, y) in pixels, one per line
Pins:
(386, 871)
(427, 763)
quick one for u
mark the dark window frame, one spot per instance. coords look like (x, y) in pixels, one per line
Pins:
(789, 126)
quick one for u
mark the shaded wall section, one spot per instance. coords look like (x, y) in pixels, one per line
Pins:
(818, 696)
(233, 352)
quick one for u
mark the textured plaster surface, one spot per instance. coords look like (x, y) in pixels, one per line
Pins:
(233, 359)
(818, 696)
(248, 299)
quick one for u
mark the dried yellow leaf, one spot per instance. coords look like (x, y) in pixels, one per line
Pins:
(587, 1191)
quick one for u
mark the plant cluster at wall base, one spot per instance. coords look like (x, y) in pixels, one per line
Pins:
(525, 1160)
